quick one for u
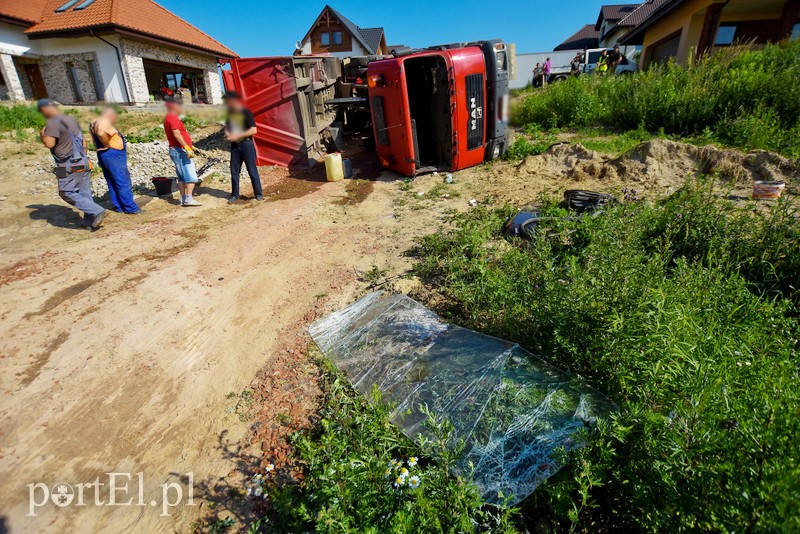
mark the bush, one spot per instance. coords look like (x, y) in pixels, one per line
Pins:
(685, 313)
(352, 464)
(748, 98)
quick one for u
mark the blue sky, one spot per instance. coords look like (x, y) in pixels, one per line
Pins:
(269, 27)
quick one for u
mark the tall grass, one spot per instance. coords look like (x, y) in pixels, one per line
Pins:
(745, 98)
(20, 117)
(685, 313)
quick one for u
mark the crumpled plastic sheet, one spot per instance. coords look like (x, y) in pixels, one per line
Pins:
(512, 409)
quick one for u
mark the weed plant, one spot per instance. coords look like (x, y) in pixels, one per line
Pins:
(363, 475)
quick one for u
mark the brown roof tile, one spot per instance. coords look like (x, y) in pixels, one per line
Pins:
(27, 10)
(586, 37)
(641, 13)
(140, 16)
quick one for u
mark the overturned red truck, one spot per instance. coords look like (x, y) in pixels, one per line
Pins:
(441, 108)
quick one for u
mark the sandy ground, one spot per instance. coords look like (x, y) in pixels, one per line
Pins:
(172, 342)
(127, 349)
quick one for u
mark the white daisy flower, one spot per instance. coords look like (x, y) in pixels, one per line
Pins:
(412, 462)
(259, 491)
(270, 467)
(404, 472)
(399, 481)
(413, 482)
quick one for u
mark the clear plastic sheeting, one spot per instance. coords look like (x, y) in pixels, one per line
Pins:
(513, 410)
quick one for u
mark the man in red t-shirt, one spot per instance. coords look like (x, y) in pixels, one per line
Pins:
(181, 151)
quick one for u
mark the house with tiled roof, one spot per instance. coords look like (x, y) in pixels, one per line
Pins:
(87, 51)
(609, 23)
(686, 29)
(334, 34)
(583, 39)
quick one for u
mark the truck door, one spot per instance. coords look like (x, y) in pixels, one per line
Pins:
(391, 118)
(469, 113)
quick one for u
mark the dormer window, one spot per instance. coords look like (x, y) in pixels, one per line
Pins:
(83, 5)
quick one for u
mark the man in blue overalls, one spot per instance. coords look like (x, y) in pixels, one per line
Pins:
(113, 158)
(63, 136)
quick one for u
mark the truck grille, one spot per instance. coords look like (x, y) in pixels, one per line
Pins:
(475, 111)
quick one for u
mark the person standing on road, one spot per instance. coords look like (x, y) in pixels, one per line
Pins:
(240, 127)
(614, 59)
(112, 154)
(602, 63)
(547, 69)
(537, 74)
(181, 151)
(62, 135)
(575, 66)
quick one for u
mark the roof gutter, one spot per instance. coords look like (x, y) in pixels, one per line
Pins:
(121, 66)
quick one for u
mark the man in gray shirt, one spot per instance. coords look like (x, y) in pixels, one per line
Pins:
(62, 135)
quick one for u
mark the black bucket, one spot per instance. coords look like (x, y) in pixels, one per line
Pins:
(163, 185)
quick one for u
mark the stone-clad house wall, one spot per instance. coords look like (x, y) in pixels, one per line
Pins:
(56, 77)
(134, 51)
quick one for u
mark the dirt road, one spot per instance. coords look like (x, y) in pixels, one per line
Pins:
(120, 349)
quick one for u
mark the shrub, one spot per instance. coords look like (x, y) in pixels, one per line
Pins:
(748, 98)
(685, 313)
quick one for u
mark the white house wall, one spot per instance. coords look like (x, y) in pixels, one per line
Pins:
(13, 41)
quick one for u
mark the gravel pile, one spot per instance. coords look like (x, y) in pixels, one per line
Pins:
(145, 161)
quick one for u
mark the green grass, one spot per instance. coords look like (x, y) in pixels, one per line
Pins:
(739, 97)
(685, 313)
(148, 135)
(352, 463)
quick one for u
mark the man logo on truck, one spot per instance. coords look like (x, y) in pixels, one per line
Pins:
(476, 113)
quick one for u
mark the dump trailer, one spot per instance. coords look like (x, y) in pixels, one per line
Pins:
(287, 96)
(441, 108)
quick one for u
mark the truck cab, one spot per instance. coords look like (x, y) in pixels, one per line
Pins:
(443, 108)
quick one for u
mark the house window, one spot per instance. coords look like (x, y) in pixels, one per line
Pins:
(94, 73)
(171, 81)
(325, 39)
(72, 76)
(337, 38)
(796, 32)
(726, 34)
